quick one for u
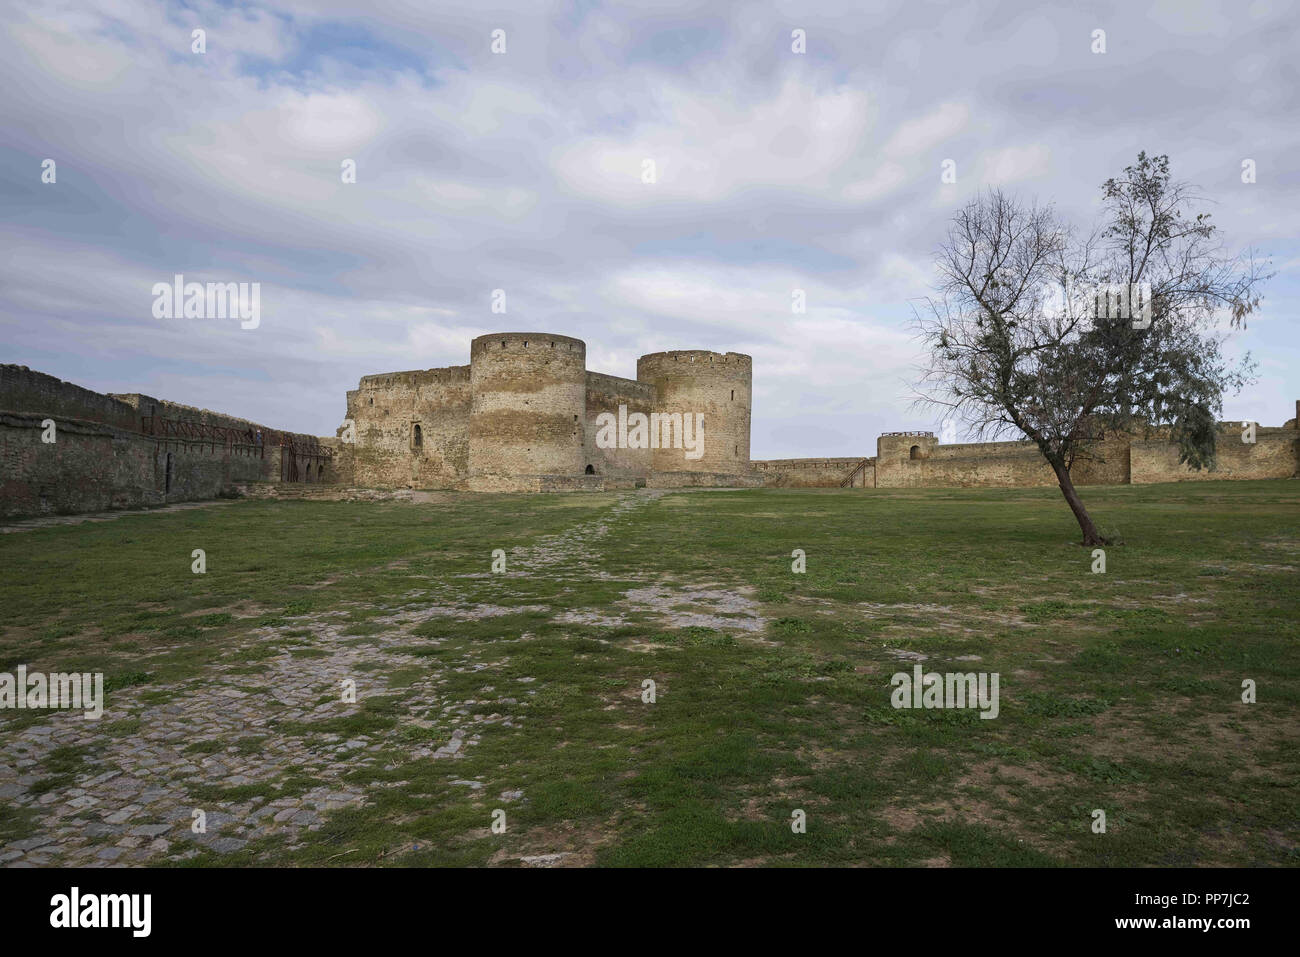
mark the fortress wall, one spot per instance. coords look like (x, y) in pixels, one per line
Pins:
(520, 417)
(980, 471)
(310, 469)
(384, 410)
(100, 459)
(502, 482)
(25, 390)
(92, 467)
(813, 473)
(969, 450)
(962, 465)
(498, 482)
(528, 403)
(992, 464)
(243, 463)
(1107, 463)
(201, 471)
(715, 384)
(680, 479)
(1113, 461)
(147, 405)
(332, 474)
(576, 483)
(1273, 455)
(605, 393)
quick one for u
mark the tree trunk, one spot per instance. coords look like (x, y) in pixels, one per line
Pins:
(1090, 534)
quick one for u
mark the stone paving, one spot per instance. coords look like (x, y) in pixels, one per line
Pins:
(572, 553)
(136, 800)
(135, 792)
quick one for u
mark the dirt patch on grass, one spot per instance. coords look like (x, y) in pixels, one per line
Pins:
(1120, 733)
(668, 605)
(563, 845)
(942, 618)
(1005, 804)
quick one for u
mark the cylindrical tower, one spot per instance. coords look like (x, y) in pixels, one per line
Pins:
(527, 404)
(717, 386)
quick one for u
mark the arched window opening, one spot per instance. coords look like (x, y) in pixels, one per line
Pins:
(591, 470)
(916, 452)
(417, 436)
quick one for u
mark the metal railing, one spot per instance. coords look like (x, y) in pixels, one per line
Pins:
(214, 436)
(202, 433)
(859, 469)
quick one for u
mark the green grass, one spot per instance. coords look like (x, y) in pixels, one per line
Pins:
(1119, 691)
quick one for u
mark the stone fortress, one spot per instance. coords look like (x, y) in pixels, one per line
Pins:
(526, 415)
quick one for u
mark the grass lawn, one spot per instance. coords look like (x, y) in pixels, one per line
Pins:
(518, 696)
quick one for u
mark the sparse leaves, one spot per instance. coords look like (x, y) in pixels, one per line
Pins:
(1017, 346)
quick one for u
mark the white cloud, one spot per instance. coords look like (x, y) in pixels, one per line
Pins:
(523, 172)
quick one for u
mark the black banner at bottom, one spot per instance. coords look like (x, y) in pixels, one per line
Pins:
(338, 907)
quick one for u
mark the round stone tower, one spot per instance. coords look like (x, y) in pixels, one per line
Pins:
(527, 404)
(714, 384)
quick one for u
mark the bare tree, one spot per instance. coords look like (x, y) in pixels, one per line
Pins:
(1063, 338)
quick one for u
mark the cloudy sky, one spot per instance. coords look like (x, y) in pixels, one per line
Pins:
(522, 171)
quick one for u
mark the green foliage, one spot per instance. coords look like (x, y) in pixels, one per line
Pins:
(1035, 331)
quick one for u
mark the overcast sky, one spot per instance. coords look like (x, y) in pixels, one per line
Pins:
(522, 171)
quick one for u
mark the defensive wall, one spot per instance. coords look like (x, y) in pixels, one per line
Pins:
(65, 449)
(918, 460)
(525, 415)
